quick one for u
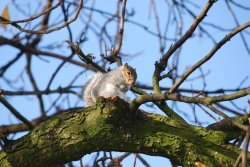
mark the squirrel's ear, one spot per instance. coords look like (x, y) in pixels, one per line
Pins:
(135, 69)
(126, 65)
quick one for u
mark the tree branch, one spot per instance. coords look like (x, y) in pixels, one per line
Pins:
(68, 89)
(16, 113)
(27, 49)
(121, 30)
(159, 67)
(14, 24)
(46, 11)
(208, 56)
(134, 105)
(83, 57)
(109, 126)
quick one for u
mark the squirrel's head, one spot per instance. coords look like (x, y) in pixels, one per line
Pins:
(129, 74)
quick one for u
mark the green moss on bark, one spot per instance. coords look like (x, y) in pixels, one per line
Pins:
(109, 126)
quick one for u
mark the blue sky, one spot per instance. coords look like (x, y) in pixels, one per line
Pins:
(227, 68)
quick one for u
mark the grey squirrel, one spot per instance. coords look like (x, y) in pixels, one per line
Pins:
(113, 83)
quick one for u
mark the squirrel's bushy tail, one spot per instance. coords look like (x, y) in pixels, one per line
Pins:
(89, 87)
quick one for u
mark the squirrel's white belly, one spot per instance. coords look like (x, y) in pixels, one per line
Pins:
(109, 91)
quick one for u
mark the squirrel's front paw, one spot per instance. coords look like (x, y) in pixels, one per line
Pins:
(113, 98)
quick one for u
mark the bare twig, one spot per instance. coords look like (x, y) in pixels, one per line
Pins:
(143, 161)
(4, 68)
(183, 90)
(238, 24)
(42, 92)
(245, 148)
(57, 71)
(217, 111)
(34, 84)
(228, 109)
(114, 56)
(243, 155)
(46, 11)
(5, 21)
(16, 113)
(169, 74)
(134, 105)
(240, 5)
(83, 57)
(152, 2)
(27, 49)
(116, 161)
(208, 56)
(159, 67)
(120, 37)
(144, 27)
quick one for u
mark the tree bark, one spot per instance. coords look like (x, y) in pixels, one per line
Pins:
(109, 126)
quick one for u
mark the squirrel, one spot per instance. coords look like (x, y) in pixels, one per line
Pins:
(113, 83)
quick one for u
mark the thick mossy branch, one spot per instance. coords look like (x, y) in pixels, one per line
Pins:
(109, 126)
(232, 126)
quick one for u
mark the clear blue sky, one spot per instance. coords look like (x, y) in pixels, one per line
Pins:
(227, 68)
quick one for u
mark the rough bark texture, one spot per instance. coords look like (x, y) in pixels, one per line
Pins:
(109, 126)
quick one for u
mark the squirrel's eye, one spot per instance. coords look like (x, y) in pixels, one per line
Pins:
(129, 73)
